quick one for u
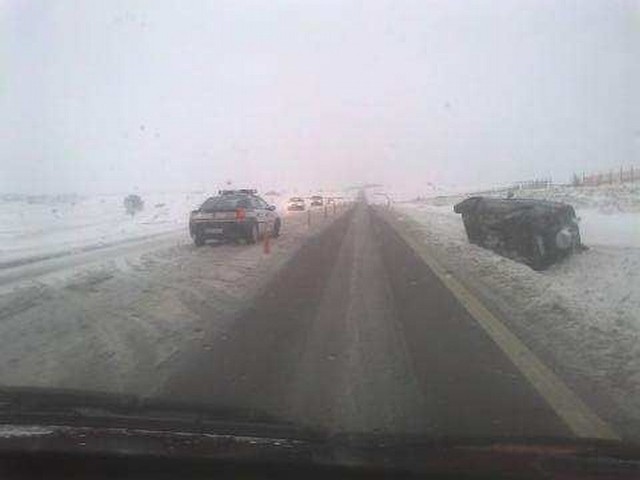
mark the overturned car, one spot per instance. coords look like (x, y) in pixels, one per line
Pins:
(535, 232)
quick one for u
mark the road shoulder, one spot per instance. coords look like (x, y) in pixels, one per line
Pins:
(580, 417)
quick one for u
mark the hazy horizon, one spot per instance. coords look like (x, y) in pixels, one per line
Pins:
(150, 95)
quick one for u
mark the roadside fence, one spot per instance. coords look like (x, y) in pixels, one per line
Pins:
(614, 176)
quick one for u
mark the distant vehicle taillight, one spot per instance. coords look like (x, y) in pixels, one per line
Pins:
(241, 214)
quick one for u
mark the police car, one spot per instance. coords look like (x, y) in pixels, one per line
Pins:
(234, 215)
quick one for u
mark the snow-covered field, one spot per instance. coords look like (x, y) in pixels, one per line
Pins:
(608, 199)
(48, 225)
(617, 198)
(583, 312)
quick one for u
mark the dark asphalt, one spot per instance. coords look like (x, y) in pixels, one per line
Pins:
(357, 334)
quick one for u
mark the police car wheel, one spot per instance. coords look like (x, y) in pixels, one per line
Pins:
(538, 253)
(253, 235)
(198, 240)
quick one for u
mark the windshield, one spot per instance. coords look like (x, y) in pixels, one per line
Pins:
(396, 251)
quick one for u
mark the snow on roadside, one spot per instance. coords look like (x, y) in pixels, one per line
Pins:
(582, 311)
(599, 229)
(126, 324)
(45, 225)
(607, 199)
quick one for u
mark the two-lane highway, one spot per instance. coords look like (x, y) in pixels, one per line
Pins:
(358, 333)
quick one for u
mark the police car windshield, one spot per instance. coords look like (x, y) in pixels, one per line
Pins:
(226, 202)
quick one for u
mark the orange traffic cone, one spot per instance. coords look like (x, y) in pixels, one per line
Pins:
(266, 244)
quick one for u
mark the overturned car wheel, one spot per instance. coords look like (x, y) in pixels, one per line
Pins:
(198, 240)
(538, 253)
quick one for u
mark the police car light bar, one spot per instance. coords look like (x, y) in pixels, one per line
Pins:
(246, 191)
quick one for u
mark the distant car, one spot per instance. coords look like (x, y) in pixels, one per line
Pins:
(234, 215)
(317, 201)
(535, 232)
(296, 203)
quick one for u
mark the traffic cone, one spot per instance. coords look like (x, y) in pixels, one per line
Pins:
(266, 244)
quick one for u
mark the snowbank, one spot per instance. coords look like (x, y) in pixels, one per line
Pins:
(46, 225)
(583, 312)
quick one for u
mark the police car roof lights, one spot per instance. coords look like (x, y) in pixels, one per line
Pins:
(245, 191)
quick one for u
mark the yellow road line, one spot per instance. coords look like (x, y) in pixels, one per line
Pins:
(582, 421)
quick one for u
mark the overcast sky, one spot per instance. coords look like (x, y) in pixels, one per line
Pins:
(113, 95)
